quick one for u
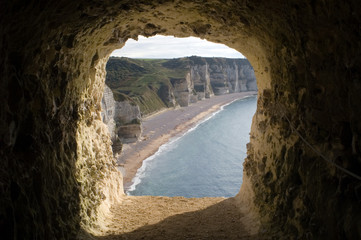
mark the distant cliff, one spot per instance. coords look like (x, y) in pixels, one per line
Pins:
(122, 118)
(208, 76)
(154, 84)
(141, 87)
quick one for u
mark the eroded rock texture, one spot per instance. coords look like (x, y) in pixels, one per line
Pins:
(57, 170)
(230, 75)
(206, 77)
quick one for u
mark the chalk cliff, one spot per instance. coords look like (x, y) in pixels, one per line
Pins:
(232, 76)
(159, 83)
(122, 119)
(209, 76)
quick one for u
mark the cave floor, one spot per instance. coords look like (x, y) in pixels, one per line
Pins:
(150, 217)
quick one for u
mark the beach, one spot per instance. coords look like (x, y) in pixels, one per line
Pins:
(159, 128)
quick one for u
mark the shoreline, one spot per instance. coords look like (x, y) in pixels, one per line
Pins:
(161, 127)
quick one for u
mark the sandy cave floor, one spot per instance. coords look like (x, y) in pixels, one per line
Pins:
(149, 217)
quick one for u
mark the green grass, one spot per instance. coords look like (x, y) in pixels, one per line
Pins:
(140, 79)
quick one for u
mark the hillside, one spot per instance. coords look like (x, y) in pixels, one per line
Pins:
(154, 84)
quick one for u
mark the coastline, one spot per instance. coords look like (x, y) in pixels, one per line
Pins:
(161, 127)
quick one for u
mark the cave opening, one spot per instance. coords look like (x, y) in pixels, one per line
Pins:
(151, 75)
(57, 170)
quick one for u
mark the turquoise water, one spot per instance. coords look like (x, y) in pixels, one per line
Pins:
(204, 162)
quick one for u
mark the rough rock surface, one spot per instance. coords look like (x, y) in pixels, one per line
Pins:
(182, 90)
(201, 81)
(229, 75)
(166, 94)
(208, 76)
(129, 133)
(57, 168)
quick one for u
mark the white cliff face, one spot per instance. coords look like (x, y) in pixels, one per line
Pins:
(182, 90)
(213, 76)
(229, 77)
(247, 78)
(122, 120)
(236, 79)
(125, 112)
(108, 111)
(199, 75)
(127, 118)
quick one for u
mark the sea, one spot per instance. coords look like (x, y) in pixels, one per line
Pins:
(206, 161)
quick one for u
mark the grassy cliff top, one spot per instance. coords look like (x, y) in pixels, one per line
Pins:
(141, 79)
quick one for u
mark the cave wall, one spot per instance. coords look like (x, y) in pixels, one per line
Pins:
(308, 116)
(56, 160)
(57, 169)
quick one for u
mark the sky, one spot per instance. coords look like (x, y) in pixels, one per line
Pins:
(170, 47)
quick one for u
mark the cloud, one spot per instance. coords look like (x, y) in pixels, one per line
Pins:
(171, 47)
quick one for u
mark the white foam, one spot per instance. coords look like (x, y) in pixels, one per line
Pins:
(141, 171)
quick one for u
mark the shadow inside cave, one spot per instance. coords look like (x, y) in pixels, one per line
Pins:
(222, 220)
